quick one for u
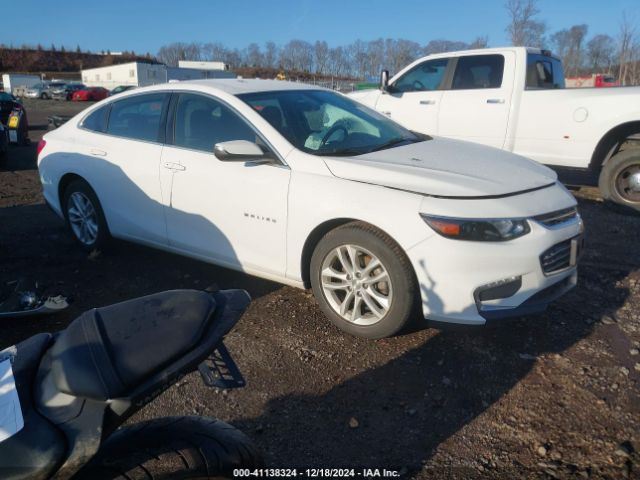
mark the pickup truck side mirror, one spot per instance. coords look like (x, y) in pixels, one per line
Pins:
(384, 80)
(240, 151)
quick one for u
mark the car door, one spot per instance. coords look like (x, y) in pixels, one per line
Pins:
(122, 163)
(477, 104)
(413, 99)
(233, 213)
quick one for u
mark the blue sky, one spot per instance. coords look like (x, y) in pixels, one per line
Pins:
(145, 25)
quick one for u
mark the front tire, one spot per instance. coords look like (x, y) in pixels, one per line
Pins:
(84, 216)
(173, 448)
(619, 180)
(363, 281)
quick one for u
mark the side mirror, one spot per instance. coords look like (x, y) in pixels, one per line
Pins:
(239, 151)
(384, 80)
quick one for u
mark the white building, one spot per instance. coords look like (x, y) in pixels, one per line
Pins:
(203, 65)
(11, 81)
(142, 74)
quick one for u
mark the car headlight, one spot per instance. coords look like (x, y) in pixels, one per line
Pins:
(493, 230)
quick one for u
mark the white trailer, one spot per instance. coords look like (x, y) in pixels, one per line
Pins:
(12, 81)
(203, 65)
(142, 74)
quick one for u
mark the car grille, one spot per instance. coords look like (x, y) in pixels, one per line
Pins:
(557, 217)
(558, 257)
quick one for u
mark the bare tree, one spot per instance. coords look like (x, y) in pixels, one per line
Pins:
(376, 60)
(254, 56)
(480, 42)
(358, 55)
(338, 63)
(441, 46)
(270, 54)
(320, 56)
(297, 55)
(171, 54)
(523, 28)
(626, 40)
(600, 51)
(214, 52)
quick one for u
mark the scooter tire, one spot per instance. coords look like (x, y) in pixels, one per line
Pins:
(173, 448)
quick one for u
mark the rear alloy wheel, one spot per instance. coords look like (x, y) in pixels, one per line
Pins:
(620, 179)
(84, 216)
(363, 281)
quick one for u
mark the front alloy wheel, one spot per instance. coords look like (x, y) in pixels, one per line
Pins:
(363, 281)
(356, 284)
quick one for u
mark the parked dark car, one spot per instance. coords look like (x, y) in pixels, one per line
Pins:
(66, 92)
(4, 143)
(89, 94)
(7, 103)
(120, 89)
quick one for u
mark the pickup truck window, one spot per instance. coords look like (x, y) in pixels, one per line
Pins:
(544, 72)
(478, 71)
(423, 77)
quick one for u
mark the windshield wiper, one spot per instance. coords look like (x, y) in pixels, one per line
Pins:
(393, 142)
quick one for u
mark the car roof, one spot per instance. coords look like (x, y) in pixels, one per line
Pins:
(237, 86)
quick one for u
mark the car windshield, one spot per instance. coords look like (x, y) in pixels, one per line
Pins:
(325, 123)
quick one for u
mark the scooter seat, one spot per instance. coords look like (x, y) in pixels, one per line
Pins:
(106, 352)
(46, 443)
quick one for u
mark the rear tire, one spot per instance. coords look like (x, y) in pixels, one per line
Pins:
(173, 448)
(619, 180)
(364, 301)
(93, 233)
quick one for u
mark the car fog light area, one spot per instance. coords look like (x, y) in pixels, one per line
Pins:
(493, 230)
(503, 288)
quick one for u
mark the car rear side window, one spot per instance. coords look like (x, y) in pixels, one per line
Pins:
(201, 122)
(96, 120)
(423, 77)
(138, 117)
(478, 71)
(544, 72)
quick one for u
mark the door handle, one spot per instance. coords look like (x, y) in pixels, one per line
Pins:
(495, 100)
(388, 114)
(97, 152)
(174, 166)
(427, 102)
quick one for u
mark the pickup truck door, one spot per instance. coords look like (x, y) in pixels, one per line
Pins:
(413, 99)
(476, 105)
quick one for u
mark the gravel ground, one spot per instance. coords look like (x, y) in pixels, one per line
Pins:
(552, 396)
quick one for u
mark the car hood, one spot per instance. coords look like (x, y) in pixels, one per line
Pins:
(445, 168)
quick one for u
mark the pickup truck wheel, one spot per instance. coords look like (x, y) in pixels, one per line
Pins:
(619, 180)
(363, 281)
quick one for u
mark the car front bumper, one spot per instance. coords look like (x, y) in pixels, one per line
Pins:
(452, 275)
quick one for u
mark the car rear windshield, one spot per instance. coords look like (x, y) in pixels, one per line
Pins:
(324, 123)
(544, 72)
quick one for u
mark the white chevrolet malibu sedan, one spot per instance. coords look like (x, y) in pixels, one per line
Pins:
(308, 188)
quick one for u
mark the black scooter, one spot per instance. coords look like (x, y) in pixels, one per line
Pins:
(78, 386)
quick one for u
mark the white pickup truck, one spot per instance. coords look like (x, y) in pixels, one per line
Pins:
(514, 99)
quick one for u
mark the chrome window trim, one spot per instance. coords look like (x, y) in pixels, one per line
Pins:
(280, 157)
